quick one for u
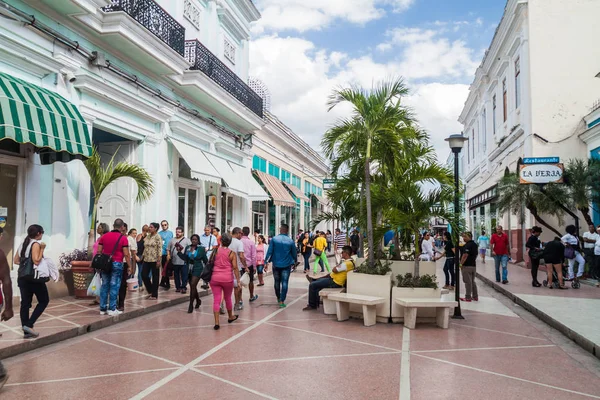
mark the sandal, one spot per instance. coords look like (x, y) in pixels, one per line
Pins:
(235, 319)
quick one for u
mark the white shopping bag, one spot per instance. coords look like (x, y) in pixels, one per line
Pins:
(94, 288)
(245, 280)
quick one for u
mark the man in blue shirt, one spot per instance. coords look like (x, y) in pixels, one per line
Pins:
(167, 269)
(282, 254)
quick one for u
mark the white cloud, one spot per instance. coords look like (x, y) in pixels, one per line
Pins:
(301, 77)
(305, 15)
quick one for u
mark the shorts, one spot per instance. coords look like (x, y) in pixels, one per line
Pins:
(260, 269)
(483, 251)
(251, 273)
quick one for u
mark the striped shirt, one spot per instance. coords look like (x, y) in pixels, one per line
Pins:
(340, 240)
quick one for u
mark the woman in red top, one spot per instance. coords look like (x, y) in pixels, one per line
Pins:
(221, 282)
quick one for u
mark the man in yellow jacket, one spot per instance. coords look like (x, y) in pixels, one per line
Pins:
(336, 279)
(319, 245)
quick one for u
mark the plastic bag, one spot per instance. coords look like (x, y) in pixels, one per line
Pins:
(245, 280)
(94, 288)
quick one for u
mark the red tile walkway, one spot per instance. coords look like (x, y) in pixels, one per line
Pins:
(272, 353)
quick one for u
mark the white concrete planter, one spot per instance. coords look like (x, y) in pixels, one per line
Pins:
(414, 293)
(370, 285)
(405, 267)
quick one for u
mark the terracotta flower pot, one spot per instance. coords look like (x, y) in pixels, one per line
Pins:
(82, 277)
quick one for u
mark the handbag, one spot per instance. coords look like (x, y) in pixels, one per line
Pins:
(536, 254)
(569, 253)
(317, 252)
(206, 273)
(27, 270)
(103, 262)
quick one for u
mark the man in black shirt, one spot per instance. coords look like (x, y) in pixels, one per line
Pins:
(467, 263)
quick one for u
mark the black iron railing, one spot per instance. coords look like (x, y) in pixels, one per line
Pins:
(203, 60)
(154, 18)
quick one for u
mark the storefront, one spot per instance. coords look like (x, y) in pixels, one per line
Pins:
(281, 208)
(483, 211)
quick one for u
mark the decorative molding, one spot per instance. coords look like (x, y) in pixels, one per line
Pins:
(229, 21)
(229, 50)
(191, 13)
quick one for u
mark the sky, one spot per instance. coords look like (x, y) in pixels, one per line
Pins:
(303, 49)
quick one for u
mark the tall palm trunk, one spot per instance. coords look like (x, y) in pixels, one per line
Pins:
(369, 211)
(417, 252)
(92, 232)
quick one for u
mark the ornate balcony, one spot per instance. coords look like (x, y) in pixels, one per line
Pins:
(154, 18)
(203, 60)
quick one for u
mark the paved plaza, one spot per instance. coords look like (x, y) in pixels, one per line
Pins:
(498, 352)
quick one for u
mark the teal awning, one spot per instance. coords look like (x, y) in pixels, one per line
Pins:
(32, 114)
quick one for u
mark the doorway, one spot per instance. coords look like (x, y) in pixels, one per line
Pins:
(8, 207)
(186, 213)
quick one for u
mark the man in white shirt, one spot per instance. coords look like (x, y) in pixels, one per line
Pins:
(238, 248)
(589, 242)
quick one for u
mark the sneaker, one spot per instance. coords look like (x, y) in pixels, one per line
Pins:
(253, 298)
(241, 306)
(467, 300)
(103, 312)
(282, 305)
(29, 331)
(236, 308)
(505, 282)
(114, 313)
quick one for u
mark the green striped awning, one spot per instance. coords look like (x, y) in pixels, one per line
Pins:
(32, 114)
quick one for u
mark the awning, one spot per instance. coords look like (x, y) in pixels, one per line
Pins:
(201, 168)
(279, 194)
(320, 199)
(235, 182)
(296, 192)
(31, 114)
(255, 191)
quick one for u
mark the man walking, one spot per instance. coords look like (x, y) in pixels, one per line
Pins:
(5, 302)
(483, 241)
(166, 235)
(320, 245)
(589, 242)
(238, 248)
(282, 254)
(117, 243)
(467, 262)
(250, 254)
(339, 241)
(180, 270)
(499, 245)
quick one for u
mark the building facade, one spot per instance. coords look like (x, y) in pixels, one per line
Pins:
(162, 84)
(529, 94)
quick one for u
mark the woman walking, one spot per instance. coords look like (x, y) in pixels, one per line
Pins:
(306, 250)
(261, 252)
(139, 258)
(448, 251)
(194, 256)
(31, 251)
(224, 270)
(152, 257)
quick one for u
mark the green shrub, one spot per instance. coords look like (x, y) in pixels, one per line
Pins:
(423, 281)
(378, 269)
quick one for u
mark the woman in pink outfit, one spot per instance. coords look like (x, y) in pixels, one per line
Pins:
(221, 283)
(261, 252)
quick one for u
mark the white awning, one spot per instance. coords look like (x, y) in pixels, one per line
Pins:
(236, 183)
(255, 191)
(201, 168)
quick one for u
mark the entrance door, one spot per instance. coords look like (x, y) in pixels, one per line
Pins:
(186, 211)
(258, 222)
(8, 207)
(116, 200)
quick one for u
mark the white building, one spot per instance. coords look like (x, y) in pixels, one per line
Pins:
(529, 94)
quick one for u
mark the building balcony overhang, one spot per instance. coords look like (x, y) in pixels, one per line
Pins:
(74, 7)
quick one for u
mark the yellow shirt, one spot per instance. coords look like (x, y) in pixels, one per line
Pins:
(320, 243)
(340, 277)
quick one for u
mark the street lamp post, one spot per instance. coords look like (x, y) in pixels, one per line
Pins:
(456, 143)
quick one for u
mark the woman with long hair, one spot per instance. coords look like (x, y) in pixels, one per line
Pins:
(224, 270)
(194, 256)
(449, 264)
(32, 249)
(306, 250)
(261, 251)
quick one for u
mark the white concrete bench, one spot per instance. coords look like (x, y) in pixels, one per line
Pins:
(328, 305)
(411, 305)
(369, 306)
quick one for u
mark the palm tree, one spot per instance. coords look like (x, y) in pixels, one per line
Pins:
(580, 176)
(374, 136)
(513, 196)
(102, 176)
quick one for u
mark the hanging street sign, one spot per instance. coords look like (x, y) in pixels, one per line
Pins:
(328, 183)
(541, 173)
(541, 160)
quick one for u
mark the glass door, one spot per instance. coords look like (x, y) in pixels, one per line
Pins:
(258, 222)
(186, 210)
(8, 207)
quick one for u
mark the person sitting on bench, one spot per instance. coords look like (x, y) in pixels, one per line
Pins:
(336, 279)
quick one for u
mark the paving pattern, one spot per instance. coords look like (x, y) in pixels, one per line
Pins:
(272, 353)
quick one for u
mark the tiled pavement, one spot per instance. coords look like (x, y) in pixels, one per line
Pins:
(290, 354)
(575, 312)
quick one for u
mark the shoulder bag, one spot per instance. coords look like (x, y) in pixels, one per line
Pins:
(27, 270)
(103, 262)
(206, 274)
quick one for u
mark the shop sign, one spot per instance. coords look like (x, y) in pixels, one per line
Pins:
(541, 160)
(541, 173)
(328, 183)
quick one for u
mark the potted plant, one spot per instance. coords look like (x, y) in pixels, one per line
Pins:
(371, 281)
(412, 286)
(77, 264)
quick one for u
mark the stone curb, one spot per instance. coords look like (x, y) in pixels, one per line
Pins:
(94, 326)
(582, 341)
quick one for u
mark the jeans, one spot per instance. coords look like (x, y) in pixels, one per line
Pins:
(111, 282)
(281, 277)
(140, 266)
(449, 271)
(150, 269)
(315, 287)
(307, 260)
(181, 275)
(470, 285)
(28, 289)
(501, 259)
